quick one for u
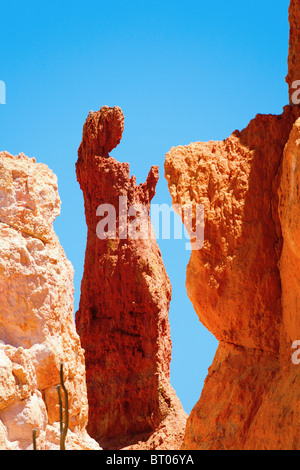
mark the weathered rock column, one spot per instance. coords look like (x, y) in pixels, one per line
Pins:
(125, 294)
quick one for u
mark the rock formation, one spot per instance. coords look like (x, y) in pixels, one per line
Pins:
(37, 329)
(244, 282)
(125, 294)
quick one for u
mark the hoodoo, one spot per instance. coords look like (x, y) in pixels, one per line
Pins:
(125, 294)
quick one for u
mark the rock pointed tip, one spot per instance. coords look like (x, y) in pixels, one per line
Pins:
(103, 130)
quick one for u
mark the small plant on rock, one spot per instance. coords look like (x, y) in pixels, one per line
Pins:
(64, 423)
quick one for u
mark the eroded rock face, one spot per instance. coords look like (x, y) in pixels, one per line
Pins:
(125, 294)
(37, 329)
(244, 282)
(289, 212)
(237, 182)
(234, 281)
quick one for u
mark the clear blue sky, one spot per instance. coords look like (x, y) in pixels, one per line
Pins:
(182, 71)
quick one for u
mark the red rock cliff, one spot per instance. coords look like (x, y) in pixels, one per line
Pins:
(243, 283)
(125, 293)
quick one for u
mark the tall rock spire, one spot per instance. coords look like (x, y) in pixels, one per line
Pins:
(125, 294)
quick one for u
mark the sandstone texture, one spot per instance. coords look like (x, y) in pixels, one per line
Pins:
(237, 182)
(125, 294)
(37, 329)
(244, 283)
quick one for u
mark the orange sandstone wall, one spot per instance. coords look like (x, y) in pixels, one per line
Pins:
(244, 283)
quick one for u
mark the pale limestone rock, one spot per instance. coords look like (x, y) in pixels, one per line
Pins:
(37, 328)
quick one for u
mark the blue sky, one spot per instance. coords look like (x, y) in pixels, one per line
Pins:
(182, 71)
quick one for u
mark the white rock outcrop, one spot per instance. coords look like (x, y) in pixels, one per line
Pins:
(37, 330)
